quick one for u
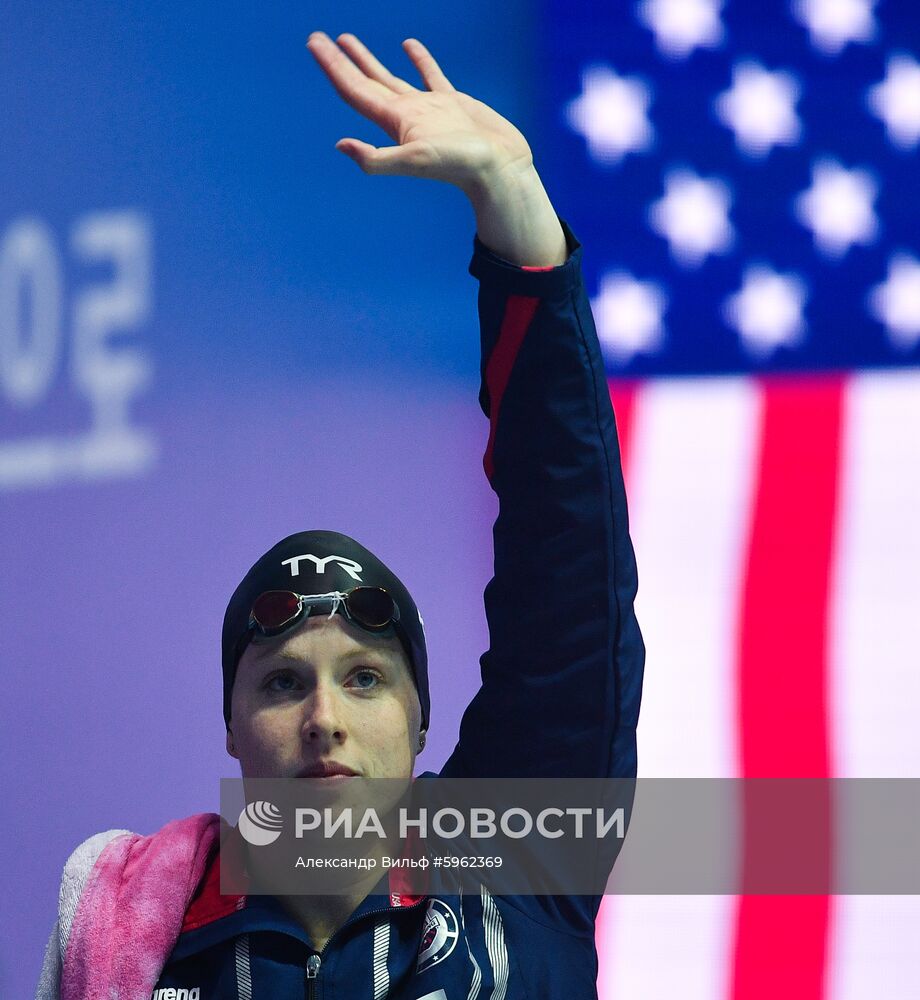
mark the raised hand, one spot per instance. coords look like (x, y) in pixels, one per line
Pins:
(449, 136)
(440, 132)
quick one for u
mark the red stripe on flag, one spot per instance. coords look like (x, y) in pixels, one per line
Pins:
(519, 311)
(780, 946)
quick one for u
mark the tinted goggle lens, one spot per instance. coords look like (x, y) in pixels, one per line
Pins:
(275, 608)
(371, 607)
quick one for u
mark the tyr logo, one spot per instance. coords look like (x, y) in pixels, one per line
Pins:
(349, 565)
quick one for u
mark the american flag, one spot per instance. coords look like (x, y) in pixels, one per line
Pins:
(744, 179)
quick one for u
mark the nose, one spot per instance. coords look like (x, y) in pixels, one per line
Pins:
(323, 723)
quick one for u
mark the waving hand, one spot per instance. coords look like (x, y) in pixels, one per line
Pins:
(439, 131)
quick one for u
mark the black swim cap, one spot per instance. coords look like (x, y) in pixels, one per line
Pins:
(318, 562)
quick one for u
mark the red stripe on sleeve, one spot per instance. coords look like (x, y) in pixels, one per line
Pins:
(519, 313)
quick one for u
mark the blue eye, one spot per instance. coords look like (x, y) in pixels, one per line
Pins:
(366, 680)
(289, 680)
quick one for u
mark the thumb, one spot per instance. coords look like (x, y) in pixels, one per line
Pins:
(351, 147)
(411, 159)
(361, 152)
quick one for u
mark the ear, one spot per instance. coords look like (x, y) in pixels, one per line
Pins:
(231, 749)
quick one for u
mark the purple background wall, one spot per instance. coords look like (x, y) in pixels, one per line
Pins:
(309, 338)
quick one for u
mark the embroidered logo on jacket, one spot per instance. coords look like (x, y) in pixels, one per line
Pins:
(440, 932)
(172, 993)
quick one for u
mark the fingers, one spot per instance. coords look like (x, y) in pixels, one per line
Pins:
(366, 61)
(425, 63)
(365, 95)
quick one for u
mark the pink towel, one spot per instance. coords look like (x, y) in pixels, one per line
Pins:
(130, 913)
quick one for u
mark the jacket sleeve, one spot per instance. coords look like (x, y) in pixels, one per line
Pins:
(562, 678)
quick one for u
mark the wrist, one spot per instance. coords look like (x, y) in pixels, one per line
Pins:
(500, 185)
(516, 220)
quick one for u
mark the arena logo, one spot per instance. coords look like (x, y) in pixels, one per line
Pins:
(440, 933)
(177, 993)
(349, 565)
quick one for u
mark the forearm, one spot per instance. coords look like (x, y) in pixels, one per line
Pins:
(516, 220)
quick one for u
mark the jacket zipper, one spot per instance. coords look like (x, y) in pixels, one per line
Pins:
(315, 960)
(313, 964)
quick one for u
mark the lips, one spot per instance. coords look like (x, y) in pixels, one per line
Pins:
(326, 769)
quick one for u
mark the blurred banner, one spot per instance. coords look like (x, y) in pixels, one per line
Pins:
(744, 178)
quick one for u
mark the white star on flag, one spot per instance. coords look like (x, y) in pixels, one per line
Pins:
(896, 302)
(837, 208)
(611, 114)
(834, 23)
(896, 101)
(628, 315)
(760, 108)
(680, 26)
(767, 311)
(693, 217)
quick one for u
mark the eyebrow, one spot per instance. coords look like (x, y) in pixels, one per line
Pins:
(279, 652)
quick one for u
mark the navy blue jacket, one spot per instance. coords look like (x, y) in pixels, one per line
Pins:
(561, 685)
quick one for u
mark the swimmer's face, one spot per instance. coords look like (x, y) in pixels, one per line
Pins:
(326, 692)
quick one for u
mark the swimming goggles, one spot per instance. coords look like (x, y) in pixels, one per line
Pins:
(275, 611)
